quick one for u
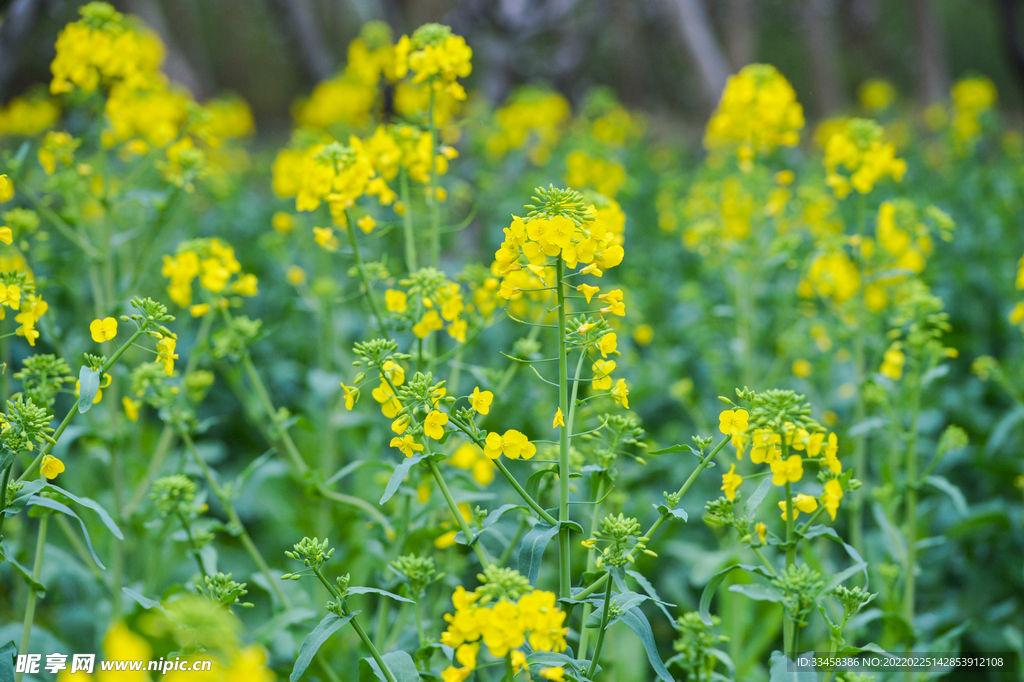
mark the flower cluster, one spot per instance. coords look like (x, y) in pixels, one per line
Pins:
(758, 112)
(535, 118)
(214, 263)
(972, 98)
(860, 149)
(503, 625)
(437, 56)
(427, 302)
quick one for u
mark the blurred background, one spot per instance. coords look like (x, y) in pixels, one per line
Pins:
(669, 58)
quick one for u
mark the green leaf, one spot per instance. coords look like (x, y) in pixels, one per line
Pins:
(671, 449)
(6, 458)
(674, 513)
(761, 492)
(780, 672)
(716, 580)
(314, 640)
(40, 589)
(533, 482)
(531, 549)
(637, 622)
(622, 600)
(349, 468)
(830, 533)
(91, 504)
(64, 509)
(647, 587)
(145, 602)
(383, 593)
(399, 663)
(398, 476)
(954, 493)
(26, 493)
(7, 653)
(758, 592)
(89, 385)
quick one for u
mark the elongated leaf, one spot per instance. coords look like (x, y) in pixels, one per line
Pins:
(398, 476)
(637, 622)
(383, 593)
(716, 580)
(647, 587)
(89, 385)
(266, 632)
(64, 509)
(893, 537)
(145, 602)
(761, 492)
(7, 653)
(38, 587)
(24, 495)
(758, 592)
(349, 468)
(531, 549)
(533, 482)
(494, 516)
(399, 663)
(6, 457)
(954, 493)
(622, 600)
(90, 504)
(314, 640)
(780, 672)
(831, 534)
(671, 449)
(673, 513)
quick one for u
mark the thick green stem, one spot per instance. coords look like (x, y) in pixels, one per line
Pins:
(604, 626)
(30, 604)
(591, 559)
(788, 626)
(859, 444)
(477, 547)
(564, 557)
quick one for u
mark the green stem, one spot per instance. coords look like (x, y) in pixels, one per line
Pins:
(480, 552)
(600, 582)
(410, 234)
(434, 204)
(604, 626)
(192, 543)
(591, 559)
(564, 558)
(911, 520)
(534, 505)
(280, 434)
(859, 444)
(788, 626)
(74, 408)
(363, 275)
(3, 497)
(30, 604)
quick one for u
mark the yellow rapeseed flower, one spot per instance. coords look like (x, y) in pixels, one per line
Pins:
(51, 466)
(103, 330)
(730, 482)
(480, 401)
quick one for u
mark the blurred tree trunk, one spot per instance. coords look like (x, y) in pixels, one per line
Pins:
(18, 21)
(298, 23)
(740, 32)
(1009, 15)
(700, 40)
(933, 79)
(819, 28)
(176, 65)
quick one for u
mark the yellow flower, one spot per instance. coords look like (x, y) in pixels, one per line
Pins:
(481, 400)
(283, 222)
(801, 503)
(833, 493)
(166, 354)
(786, 470)
(513, 444)
(761, 530)
(621, 393)
(553, 674)
(643, 334)
(246, 286)
(395, 301)
(366, 224)
(588, 291)
(324, 236)
(765, 446)
(433, 425)
(558, 420)
(602, 374)
(730, 482)
(733, 421)
(614, 301)
(892, 363)
(351, 394)
(451, 673)
(406, 445)
(801, 368)
(6, 236)
(6, 189)
(430, 321)
(518, 661)
(103, 330)
(199, 309)
(466, 655)
(51, 466)
(607, 344)
(131, 408)
(296, 275)
(589, 543)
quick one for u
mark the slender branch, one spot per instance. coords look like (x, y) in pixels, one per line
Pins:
(30, 604)
(604, 626)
